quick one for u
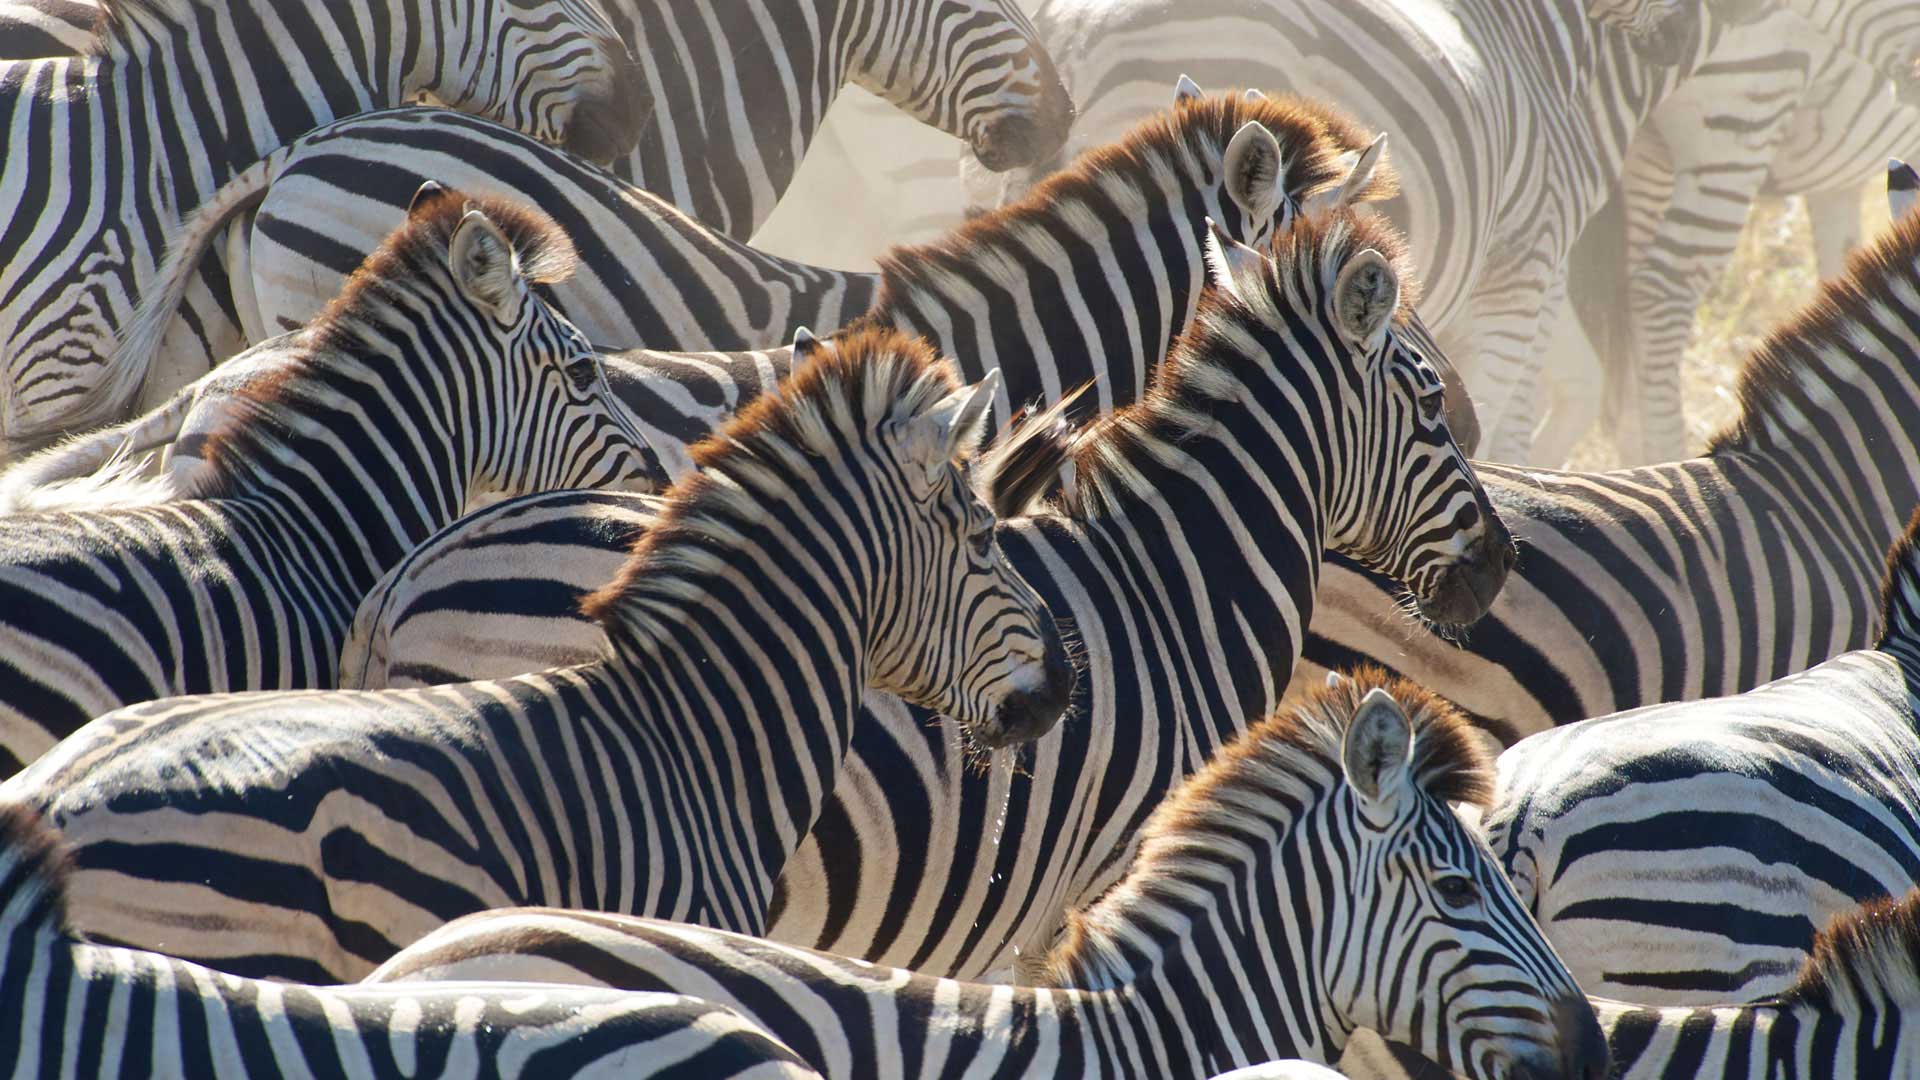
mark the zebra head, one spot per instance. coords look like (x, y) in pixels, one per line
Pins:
(1314, 874)
(1884, 33)
(1662, 32)
(556, 422)
(555, 69)
(1430, 945)
(1399, 495)
(975, 68)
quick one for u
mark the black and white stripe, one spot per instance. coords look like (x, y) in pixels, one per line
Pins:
(829, 547)
(1687, 853)
(1310, 880)
(1702, 577)
(437, 374)
(32, 29)
(1846, 1014)
(1185, 560)
(77, 1010)
(107, 153)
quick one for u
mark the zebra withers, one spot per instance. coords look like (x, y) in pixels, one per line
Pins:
(1185, 559)
(108, 156)
(77, 1010)
(1687, 853)
(1695, 578)
(1851, 1011)
(1309, 880)
(829, 546)
(437, 373)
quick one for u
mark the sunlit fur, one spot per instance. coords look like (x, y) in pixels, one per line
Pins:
(1851, 1012)
(1269, 911)
(1686, 853)
(83, 1010)
(114, 176)
(363, 435)
(830, 546)
(1201, 621)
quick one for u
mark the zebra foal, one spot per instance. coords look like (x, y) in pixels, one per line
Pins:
(437, 373)
(1309, 880)
(829, 546)
(106, 154)
(74, 1010)
(1687, 853)
(1299, 413)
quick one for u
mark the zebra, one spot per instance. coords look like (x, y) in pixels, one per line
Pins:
(830, 545)
(1748, 122)
(1309, 879)
(1491, 226)
(31, 29)
(1125, 225)
(104, 166)
(436, 373)
(1182, 645)
(1686, 853)
(729, 95)
(1631, 587)
(1845, 1014)
(78, 1010)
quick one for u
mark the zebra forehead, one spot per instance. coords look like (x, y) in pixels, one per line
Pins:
(1875, 949)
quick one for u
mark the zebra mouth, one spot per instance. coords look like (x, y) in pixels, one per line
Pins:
(1026, 714)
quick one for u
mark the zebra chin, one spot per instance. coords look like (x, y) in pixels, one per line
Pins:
(1461, 591)
(1030, 711)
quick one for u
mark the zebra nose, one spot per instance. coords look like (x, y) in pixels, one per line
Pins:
(1025, 715)
(1583, 1046)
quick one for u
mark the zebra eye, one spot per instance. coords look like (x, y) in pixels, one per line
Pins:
(981, 538)
(584, 373)
(1432, 403)
(1456, 890)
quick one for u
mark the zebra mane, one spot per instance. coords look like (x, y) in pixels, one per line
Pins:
(1900, 588)
(34, 864)
(867, 380)
(1186, 139)
(414, 252)
(1873, 952)
(1256, 787)
(1306, 258)
(1791, 367)
(113, 22)
(1022, 468)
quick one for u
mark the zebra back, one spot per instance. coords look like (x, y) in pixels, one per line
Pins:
(78, 1010)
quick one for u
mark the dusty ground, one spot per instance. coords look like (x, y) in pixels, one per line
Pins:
(1772, 276)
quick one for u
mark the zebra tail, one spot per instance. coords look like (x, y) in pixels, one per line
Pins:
(1026, 464)
(141, 337)
(33, 874)
(98, 469)
(1900, 594)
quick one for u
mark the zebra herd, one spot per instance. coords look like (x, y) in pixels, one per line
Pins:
(465, 610)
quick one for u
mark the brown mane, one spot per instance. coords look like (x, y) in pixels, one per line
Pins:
(1189, 136)
(113, 33)
(34, 868)
(867, 377)
(1297, 746)
(1776, 371)
(1178, 386)
(1875, 949)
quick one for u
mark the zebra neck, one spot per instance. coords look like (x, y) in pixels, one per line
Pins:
(1093, 285)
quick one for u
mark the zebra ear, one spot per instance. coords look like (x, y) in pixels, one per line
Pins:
(1377, 749)
(1365, 296)
(1232, 265)
(1186, 90)
(805, 345)
(952, 428)
(1903, 187)
(1255, 173)
(427, 190)
(484, 266)
(1251, 94)
(1359, 166)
